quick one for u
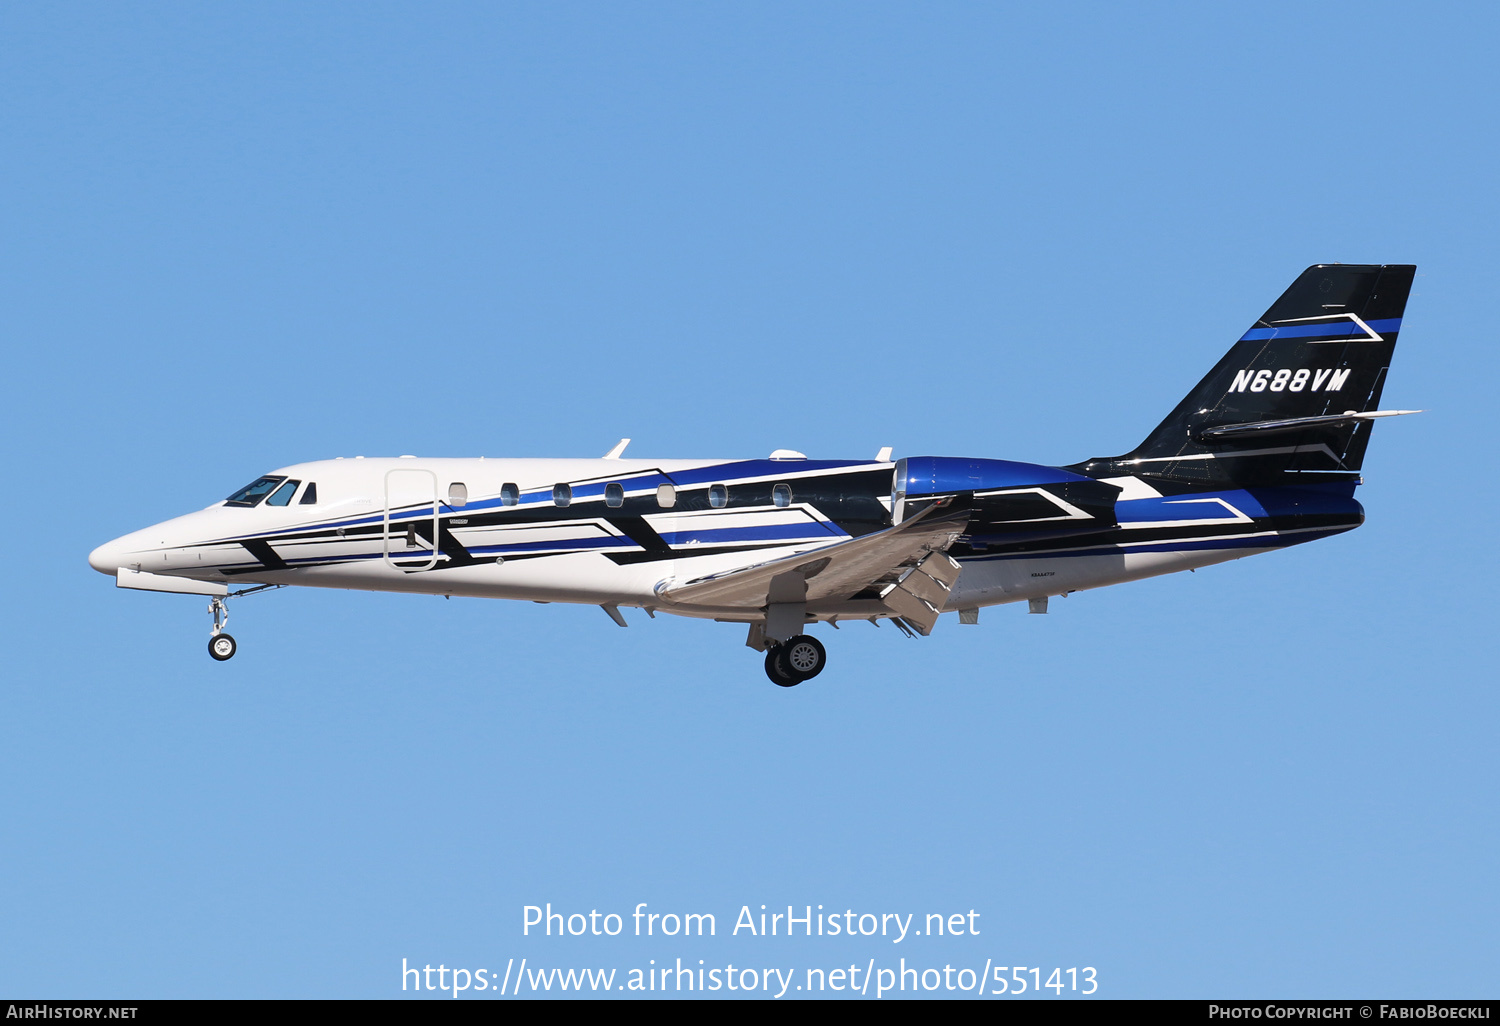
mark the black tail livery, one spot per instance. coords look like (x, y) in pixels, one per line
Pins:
(1295, 397)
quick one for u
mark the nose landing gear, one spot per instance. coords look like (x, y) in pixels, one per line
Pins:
(802, 658)
(220, 645)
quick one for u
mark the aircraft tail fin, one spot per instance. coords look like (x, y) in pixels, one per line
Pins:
(1294, 395)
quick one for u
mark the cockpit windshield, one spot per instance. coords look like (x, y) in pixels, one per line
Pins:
(283, 496)
(255, 491)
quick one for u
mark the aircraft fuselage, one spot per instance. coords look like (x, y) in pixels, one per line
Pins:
(505, 528)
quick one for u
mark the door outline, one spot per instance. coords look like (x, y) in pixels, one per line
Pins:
(385, 523)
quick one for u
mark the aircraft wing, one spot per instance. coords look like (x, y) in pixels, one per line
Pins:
(903, 566)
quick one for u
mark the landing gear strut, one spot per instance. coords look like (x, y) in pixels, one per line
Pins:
(802, 658)
(220, 645)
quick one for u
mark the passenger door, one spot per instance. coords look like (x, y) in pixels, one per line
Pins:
(409, 527)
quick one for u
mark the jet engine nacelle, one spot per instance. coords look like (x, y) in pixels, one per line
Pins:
(1008, 498)
(947, 475)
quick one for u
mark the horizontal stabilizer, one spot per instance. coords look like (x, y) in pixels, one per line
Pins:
(1262, 428)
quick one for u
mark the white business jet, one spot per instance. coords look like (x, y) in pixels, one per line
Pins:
(1265, 453)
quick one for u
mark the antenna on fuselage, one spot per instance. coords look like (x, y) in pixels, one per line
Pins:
(614, 453)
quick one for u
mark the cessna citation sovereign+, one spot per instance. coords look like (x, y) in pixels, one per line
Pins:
(1263, 454)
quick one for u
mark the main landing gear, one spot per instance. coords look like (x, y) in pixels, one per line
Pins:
(802, 658)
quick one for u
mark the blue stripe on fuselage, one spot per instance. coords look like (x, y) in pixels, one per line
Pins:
(1187, 507)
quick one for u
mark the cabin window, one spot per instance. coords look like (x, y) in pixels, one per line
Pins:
(510, 495)
(458, 494)
(614, 495)
(562, 494)
(253, 492)
(781, 495)
(283, 495)
(309, 494)
(666, 496)
(718, 496)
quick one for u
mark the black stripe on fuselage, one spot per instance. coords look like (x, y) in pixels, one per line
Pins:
(639, 531)
(262, 551)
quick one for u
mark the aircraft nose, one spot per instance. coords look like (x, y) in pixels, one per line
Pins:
(109, 557)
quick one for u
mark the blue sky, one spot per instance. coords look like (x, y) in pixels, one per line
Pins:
(242, 237)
